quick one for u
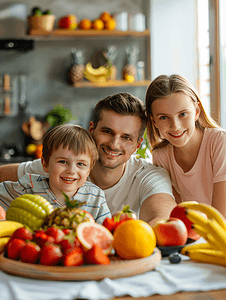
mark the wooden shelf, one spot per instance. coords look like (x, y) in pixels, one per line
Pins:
(85, 33)
(112, 83)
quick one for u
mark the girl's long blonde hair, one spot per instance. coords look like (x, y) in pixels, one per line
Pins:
(164, 86)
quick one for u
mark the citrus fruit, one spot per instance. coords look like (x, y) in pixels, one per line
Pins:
(38, 151)
(134, 239)
(110, 24)
(93, 233)
(85, 24)
(98, 24)
(105, 16)
(31, 148)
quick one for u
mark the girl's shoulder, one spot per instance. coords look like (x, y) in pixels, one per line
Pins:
(215, 133)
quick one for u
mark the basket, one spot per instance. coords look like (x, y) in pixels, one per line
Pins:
(41, 22)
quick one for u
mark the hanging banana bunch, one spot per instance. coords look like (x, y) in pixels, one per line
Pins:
(212, 228)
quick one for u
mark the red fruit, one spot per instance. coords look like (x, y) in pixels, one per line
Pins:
(23, 234)
(30, 253)
(57, 233)
(2, 213)
(14, 248)
(66, 231)
(69, 242)
(96, 256)
(110, 224)
(41, 238)
(125, 214)
(179, 212)
(73, 257)
(69, 22)
(170, 232)
(50, 255)
(120, 223)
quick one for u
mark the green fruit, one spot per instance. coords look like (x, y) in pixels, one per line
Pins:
(36, 11)
(30, 210)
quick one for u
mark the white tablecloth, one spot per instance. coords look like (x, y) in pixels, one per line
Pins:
(165, 280)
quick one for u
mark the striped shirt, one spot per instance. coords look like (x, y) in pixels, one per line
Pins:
(96, 203)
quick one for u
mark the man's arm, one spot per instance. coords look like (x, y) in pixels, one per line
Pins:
(156, 207)
(8, 172)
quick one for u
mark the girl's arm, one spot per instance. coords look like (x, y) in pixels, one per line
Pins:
(219, 197)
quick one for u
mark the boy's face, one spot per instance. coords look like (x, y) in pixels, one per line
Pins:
(67, 171)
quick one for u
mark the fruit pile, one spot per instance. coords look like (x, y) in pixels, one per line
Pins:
(105, 21)
(69, 236)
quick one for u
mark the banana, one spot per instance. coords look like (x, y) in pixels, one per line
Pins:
(93, 78)
(206, 235)
(218, 233)
(202, 257)
(3, 242)
(196, 218)
(197, 246)
(7, 227)
(210, 211)
(96, 72)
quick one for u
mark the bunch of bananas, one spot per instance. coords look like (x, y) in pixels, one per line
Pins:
(100, 74)
(212, 228)
(7, 228)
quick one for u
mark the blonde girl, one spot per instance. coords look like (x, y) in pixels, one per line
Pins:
(186, 142)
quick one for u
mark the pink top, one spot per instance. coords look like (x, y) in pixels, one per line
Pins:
(209, 168)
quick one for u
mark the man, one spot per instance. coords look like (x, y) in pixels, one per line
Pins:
(118, 126)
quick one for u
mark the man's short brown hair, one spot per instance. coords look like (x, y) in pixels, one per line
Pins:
(124, 104)
(73, 137)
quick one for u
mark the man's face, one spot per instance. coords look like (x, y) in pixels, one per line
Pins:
(116, 137)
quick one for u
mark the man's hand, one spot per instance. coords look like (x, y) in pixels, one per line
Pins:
(8, 172)
(156, 207)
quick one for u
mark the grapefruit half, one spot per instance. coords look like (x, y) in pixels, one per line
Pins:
(93, 233)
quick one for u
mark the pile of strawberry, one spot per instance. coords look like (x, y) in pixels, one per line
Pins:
(52, 247)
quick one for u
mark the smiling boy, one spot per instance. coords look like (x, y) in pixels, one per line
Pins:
(69, 153)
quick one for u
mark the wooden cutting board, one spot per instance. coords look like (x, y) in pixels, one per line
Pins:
(117, 269)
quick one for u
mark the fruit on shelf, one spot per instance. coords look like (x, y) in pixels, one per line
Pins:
(100, 74)
(2, 213)
(110, 24)
(134, 239)
(85, 24)
(96, 72)
(170, 232)
(93, 233)
(105, 16)
(68, 22)
(98, 24)
(30, 210)
(179, 212)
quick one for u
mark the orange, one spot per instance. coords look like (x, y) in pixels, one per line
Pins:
(110, 24)
(105, 16)
(98, 24)
(93, 233)
(30, 149)
(134, 239)
(38, 152)
(2, 213)
(85, 24)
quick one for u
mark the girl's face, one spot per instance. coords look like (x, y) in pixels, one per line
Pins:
(67, 171)
(175, 117)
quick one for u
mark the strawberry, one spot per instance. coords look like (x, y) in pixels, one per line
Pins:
(50, 255)
(57, 233)
(69, 242)
(14, 248)
(22, 234)
(110, 224)
(73, 257)
(30, 253)
(67, 231)
(41, 238)
(95, 255)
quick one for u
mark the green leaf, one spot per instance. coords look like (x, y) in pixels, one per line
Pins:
(73, 203)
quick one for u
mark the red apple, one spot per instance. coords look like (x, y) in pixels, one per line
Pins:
(125, 214)
(170, 232)
(68, 22)
(2, 213)
(179, 212)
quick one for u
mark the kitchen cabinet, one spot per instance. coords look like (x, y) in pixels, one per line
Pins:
(64, 35)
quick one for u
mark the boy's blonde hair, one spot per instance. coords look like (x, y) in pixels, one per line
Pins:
(74, 138)
(164, 86)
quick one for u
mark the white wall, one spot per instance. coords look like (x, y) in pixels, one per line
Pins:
(173, 38)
